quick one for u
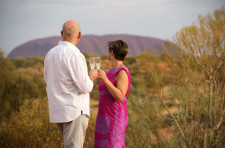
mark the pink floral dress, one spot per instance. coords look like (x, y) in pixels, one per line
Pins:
(112, 118)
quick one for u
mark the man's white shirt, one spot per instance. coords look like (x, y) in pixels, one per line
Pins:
(68, 83)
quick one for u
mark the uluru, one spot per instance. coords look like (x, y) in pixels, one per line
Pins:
(92, 44)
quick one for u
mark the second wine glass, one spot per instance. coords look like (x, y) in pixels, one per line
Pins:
(97, 62)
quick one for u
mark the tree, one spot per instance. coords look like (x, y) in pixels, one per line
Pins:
(204, 42)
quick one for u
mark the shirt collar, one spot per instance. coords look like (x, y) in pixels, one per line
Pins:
(66, 43)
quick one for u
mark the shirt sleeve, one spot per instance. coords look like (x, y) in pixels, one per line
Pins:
(45, 70)
(77, 67)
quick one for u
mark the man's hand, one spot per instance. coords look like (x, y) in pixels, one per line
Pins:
(93, 74)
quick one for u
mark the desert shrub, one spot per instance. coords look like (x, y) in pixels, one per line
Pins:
(30, 127)
(34, 62)
(144, 123)
(16, 87)
(138, 87)
(166, 57)
(199, 121)
(19, 83)
(130, 60)
(147, 57)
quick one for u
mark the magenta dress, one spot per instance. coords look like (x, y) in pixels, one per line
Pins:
(112, 118)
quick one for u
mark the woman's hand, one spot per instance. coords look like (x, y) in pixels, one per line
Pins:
(102, 75)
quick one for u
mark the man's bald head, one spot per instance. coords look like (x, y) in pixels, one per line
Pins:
(71, 31)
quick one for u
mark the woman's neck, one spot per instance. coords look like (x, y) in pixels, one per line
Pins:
(116, 63)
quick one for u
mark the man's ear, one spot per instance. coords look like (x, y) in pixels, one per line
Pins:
(79, 35)
(62, 34)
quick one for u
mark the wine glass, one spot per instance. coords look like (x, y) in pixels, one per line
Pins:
(97, 62)
(92, 63)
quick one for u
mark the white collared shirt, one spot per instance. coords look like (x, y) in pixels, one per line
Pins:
(68, 83)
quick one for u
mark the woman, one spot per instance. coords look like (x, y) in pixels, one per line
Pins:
(112, 118)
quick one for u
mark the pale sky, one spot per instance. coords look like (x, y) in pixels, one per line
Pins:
(25, 20)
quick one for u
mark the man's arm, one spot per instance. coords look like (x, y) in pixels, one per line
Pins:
(77, 67)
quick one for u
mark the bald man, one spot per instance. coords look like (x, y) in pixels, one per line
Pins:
(68, 86)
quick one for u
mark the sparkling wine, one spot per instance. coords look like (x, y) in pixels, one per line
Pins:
(92, 65)
(97, 62)
(98, 65)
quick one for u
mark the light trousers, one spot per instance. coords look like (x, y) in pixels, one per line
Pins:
(74, 132)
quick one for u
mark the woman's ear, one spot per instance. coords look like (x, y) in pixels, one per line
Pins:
(111, 53)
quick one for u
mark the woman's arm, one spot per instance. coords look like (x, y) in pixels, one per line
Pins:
(120, 90)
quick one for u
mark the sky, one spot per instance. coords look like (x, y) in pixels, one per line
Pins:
(25, 20)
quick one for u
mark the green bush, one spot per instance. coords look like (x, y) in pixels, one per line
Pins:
(19, 82)
(34, 62)
(30, 127)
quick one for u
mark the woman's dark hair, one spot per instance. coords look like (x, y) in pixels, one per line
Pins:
(119, 48)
